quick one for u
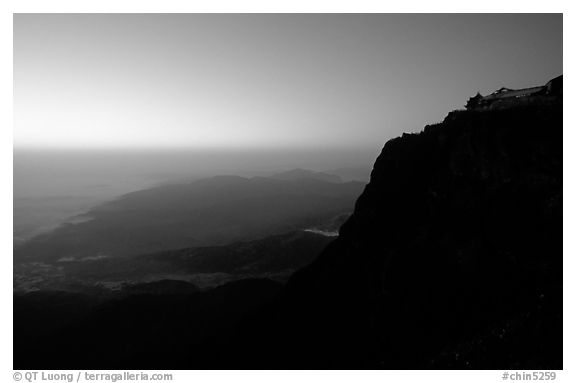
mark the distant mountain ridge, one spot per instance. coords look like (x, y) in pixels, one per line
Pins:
(275, 257)
(213, 211)
(299, 174)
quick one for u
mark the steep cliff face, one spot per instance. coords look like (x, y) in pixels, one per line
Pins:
(452, 258)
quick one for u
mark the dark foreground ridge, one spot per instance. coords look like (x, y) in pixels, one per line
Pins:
(451, 259)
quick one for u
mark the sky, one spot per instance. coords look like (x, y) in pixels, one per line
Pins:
(268, 81)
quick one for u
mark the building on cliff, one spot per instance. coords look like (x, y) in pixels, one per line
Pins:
(505, 97)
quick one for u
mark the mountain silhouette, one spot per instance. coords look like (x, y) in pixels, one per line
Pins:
(299, 174)
(451, 259)
(214, 211)
(275, 257)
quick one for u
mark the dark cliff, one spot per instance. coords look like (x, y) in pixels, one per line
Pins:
(452, 258)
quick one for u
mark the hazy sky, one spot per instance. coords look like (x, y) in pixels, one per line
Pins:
(249, 81)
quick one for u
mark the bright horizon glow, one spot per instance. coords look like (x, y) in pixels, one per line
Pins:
(178, 81)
